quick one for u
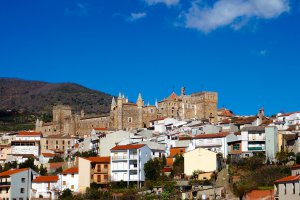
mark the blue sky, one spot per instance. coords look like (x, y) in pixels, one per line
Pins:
(246, 50)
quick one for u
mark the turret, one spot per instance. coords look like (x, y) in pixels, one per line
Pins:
(140, 102)
(182, 91)
(113, 104)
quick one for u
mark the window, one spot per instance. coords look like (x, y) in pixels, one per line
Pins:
(23, 180)
(106, 177)
(285, 188)
(236, 147)
(68, 142)
(22, 190)
(47, 147)
(46, 141)
(129, 119)
(56, 141)
(105, 166)
(98, 168)
(72, 175)
(7, 190)
(72, 187)
(20, 198)
(63, 142)
(99, 178)
(64, 182)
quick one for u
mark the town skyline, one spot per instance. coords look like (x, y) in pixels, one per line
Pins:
(152, 46)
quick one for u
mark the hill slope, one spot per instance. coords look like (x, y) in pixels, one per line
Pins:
(39, 97)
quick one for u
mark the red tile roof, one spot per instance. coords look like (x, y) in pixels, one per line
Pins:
(99, 159)
(76, 145)
(45, 179)
(216, 135)
(48, 154)
(11, 172)
(131, 146)
(100, 129)
(173, 96)
(29, 133)
(167, 169)
(73, 170)
(56, 165)
(295, 167)
(260, 194)
(288, 179)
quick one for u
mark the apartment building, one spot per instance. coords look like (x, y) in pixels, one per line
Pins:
(259, 139)
(26, 143)
(16, 184)
(94, 170)
(127, 163)
(57, 143)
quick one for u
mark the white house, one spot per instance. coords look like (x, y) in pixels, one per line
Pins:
(45, 187)
(214, 142)
(26, 143)
(127, 162)
(69, 179)
(45, 157)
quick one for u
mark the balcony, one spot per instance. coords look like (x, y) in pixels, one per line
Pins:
(100, 171)
(119, 157)
(261, 148)
(4, 183)
(257, 138)
(133, 157)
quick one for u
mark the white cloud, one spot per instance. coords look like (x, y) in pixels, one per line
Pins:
(79, 9)
(167, 2)
(234, 13)
(137, 16)
(263, 52)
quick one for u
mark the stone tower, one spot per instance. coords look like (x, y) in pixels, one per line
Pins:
(140, 104)
(120, 112)
(182, 91)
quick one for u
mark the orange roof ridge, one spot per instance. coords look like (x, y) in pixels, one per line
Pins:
(288, 179)
(129, 146)
(43, 179)
(72, 170)
(12, 171)
(96, 159)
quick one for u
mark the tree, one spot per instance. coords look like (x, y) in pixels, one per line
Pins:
(43, 170)
(56, 159)
(178, 165)
(282, 157)
(152, 169)
(29, 163)
(66, 194)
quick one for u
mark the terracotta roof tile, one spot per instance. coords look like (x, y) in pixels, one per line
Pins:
(173, 96)
(56, 165)
(11, 172)
(48, 154)
(288, 179)
(73, 170)
(44, 179)
(131, 146)
(215, 135)
(295, 167)
(29, 133)
(99, 159)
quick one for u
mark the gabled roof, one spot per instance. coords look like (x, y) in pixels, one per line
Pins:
(11, 172)
(45, 179)
(48, 154)
(215, 135)
(130, 146)
(99, 159)
(73, 170)
(295, 167)
(29, 133)
(288, 179)
(173, 96)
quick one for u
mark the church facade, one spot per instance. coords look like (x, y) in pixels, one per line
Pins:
(125, 115)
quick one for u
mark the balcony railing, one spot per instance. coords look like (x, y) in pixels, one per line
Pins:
(256, 148)
(119, 157)
(4, 183)
(257, 138)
